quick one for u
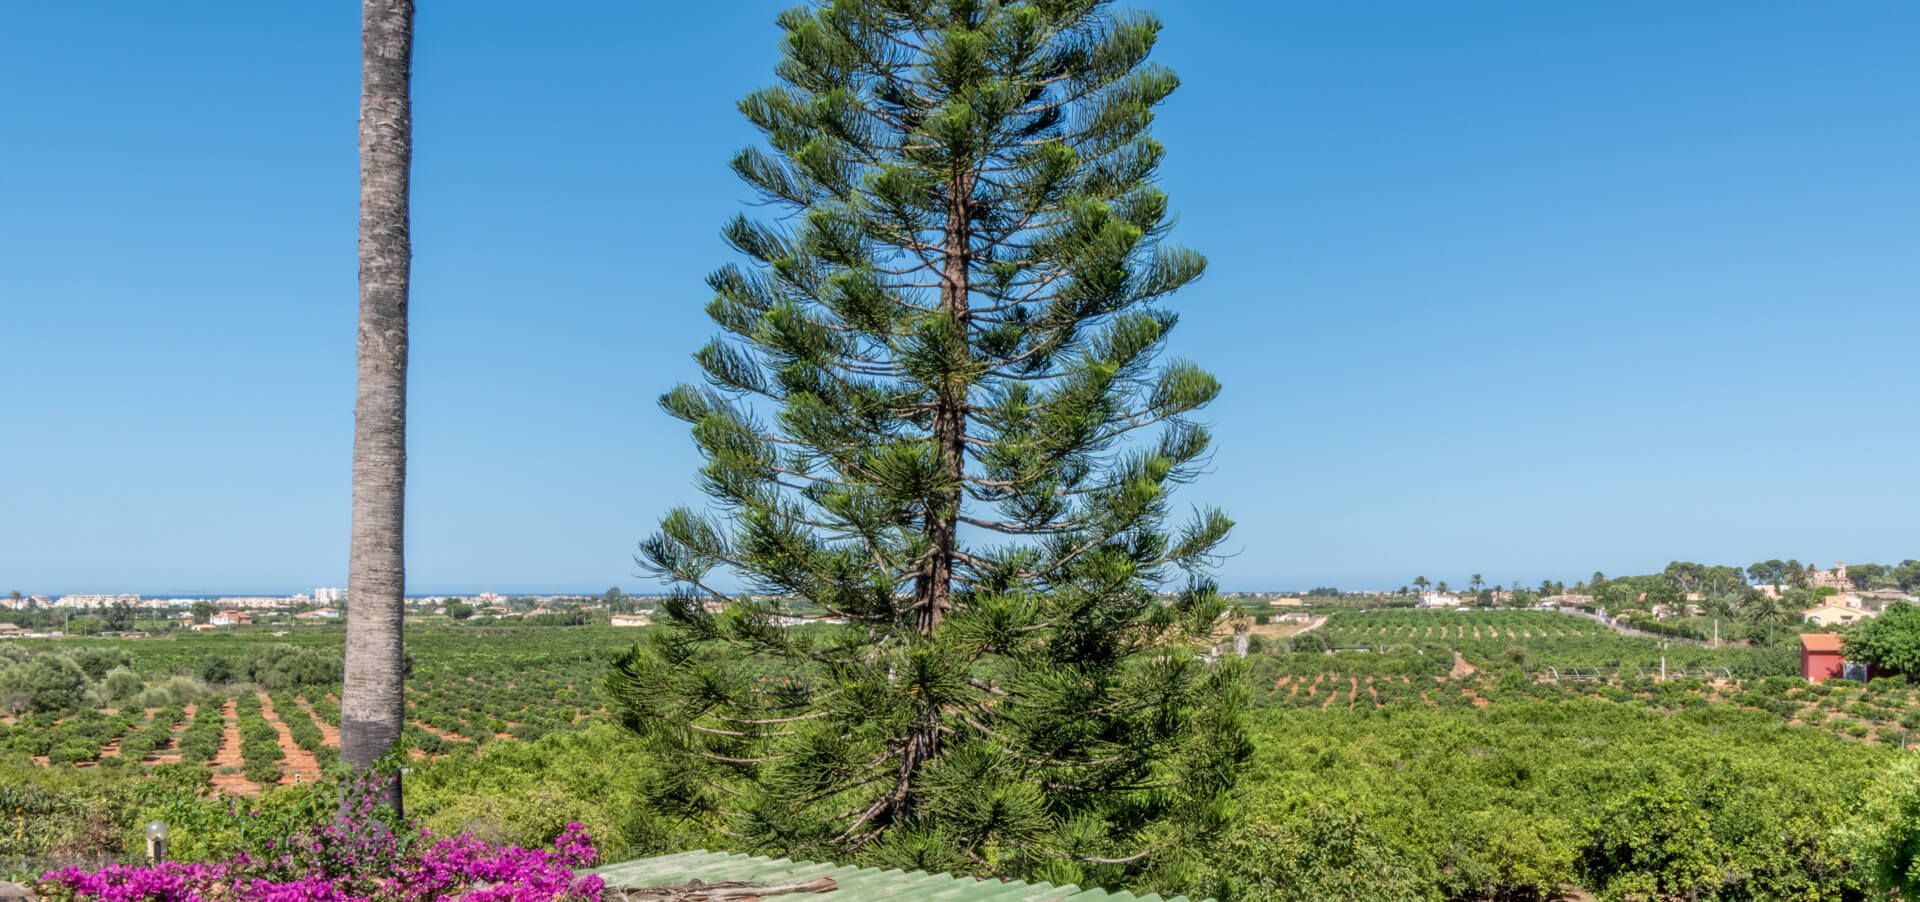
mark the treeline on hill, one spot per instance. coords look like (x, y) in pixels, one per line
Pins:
(1680, 579)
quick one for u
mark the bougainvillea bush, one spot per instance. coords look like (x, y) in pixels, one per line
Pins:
(353, 859)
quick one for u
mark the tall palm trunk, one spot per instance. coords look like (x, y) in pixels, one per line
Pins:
(373, 703)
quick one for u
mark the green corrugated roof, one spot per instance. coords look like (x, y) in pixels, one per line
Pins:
(856, 884)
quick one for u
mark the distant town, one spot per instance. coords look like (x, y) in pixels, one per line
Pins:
(130, 615)
(1806, 594)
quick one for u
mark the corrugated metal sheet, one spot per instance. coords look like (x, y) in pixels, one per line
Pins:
(856, 884)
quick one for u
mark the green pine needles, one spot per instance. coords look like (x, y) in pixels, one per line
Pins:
(939, 416)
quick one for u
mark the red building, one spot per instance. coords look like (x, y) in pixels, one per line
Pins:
(1820, 657)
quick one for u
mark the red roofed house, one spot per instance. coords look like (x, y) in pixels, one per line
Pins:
(1820, 657)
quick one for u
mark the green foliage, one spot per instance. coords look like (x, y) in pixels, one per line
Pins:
(286, 666)
(1883, 836)
(954, 333)
(260, 750)
(1652, 844)
(1889, 642)
(1315, 854)
(525, 793)
(1549, 640)
(61, 816)
(121, 684)
(1521, 798)
(96, 661)
(44, 683)
(216, 669)
(201, 742)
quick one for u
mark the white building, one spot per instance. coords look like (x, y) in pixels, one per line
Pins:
(250, 602)
(1836, 615)
(328, 595)
(95, 601)
(1439, 600)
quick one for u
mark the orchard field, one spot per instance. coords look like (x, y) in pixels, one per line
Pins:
(1397, 754)
(253, 709)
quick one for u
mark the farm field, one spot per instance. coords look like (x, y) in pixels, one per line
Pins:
(1474, 659)
(1447, 718)
(257, 710)
(1539, 640)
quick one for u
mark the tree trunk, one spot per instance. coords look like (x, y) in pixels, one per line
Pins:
(933, 590)
(373, 701)
(935, 586)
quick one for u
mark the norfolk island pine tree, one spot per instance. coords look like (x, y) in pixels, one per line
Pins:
(939, 411)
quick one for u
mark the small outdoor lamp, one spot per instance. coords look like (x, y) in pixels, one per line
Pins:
(157, 841)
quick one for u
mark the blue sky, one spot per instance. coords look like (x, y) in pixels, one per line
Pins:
(1515, 289)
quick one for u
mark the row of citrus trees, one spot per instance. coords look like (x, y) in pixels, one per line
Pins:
(471, 686)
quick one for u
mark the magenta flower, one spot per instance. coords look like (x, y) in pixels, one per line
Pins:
(354, 860)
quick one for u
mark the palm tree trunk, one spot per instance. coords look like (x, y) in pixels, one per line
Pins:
(373, 701)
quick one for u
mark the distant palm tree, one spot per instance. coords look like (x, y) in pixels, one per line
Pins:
(1420, 582)
(1767, 611)
(373, 700)
(1441, 587)
(1475, 583)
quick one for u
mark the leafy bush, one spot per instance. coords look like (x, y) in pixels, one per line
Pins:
(1323, 853)
(216, 669)
(96, 662)
(1884, 836)
(288, 666)
(121, 684)
(1309, 643)
(44, 683)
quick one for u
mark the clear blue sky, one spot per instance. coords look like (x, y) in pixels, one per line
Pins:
(1517, 289)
